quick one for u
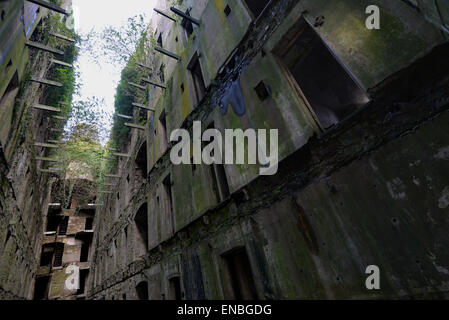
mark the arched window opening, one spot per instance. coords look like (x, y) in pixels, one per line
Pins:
(141, 227)
(141, 160)
(142, 290)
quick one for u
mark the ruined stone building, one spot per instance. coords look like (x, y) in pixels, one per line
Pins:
(363, 174)
(363, 156)
(27, 127)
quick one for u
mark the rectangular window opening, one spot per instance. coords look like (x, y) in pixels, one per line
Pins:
(175, 289)
(197, 77)
(169, 196)
(320, 78)
(239, 277)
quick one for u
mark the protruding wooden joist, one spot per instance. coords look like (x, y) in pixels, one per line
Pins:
(113, 149)
(105, 192)
(44, 47)
(50, 170)
(164, 14)
(49, 6)
(122, 155)
(46, 81)
(167, 53)
(46, 108)
(47, 159)
(124, 117)
(144, 66)
(135, 126)
(59, 118)
(46, 145)
(63, 103)
(62, 37)
(137, 85)
(154, 83)
(62, 63)
(112, 176)
(185, 16)
(139, 105)
(55, 142)
(56, 130)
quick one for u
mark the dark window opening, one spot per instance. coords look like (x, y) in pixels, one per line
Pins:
(63, 226)
(240, 279)
(197, 77)
(124, 296)
(326, 85)
(188, 26)
(89, 224)
(169, 196)
(41, 288)
(227, 10)
(141, 160)
(263, 91)
(142, 290)
(161, 73)
(218, 176)
(84, 275)
(159, 40)
(141, 223)
(163, 131)
(256, 6)
(84, 257)
(59, 252)
(53, 223)
(47, 253)
(11, 91)
(175, 289)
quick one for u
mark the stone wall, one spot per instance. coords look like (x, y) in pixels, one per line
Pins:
(370, 190)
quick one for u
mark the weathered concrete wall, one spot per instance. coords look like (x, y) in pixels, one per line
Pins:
(24, 193)
(342, 200)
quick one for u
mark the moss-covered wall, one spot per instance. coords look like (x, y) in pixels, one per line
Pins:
(297, 225)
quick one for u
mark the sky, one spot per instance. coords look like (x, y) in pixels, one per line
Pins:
(101, 80)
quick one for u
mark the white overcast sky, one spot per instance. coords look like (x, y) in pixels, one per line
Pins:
(102, 80)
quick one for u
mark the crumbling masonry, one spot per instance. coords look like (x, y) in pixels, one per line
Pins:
(363, 174)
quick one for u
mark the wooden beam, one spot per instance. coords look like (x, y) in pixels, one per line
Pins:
(124, 117)
(47, 159)
(43, 47)
(167, 53)
(56, 130)
(46, 145)
(46, 108)
(63, 103)
(135, 126)
(185, 16)
(154, 83)
(137, 85)
(112, 176)
(139, 105)
(164, 14)
(62, 63)
(62, 37)
(123, 155)
(105, 192)
(55, 142)
(144, 66)
(46, 81)
(59, 118)
(49, 171)
(49, 6)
